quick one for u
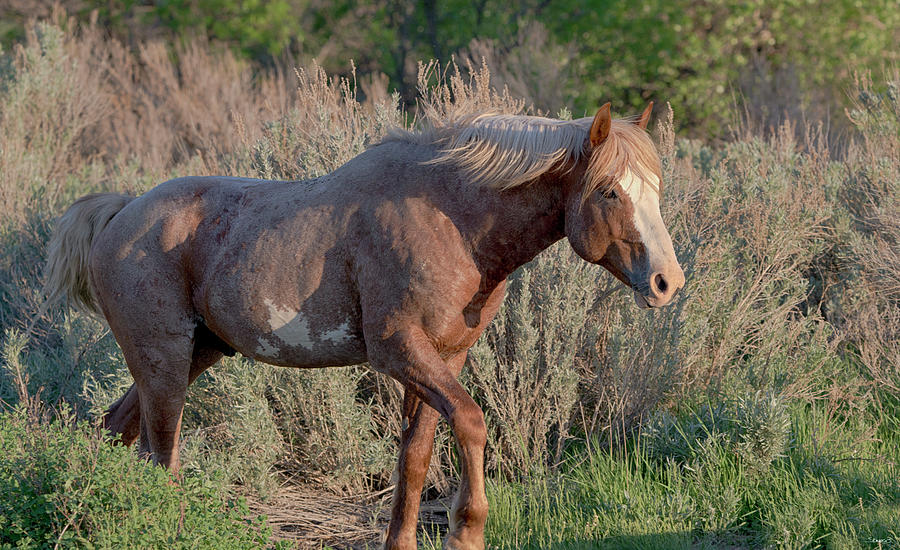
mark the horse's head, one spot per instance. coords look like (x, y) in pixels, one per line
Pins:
(614, 219)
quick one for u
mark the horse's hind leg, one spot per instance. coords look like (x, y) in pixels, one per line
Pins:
(155, 328)
(410, 357)
(160, 367)
(123, 418)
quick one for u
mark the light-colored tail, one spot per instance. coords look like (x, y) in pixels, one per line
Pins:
(66, 273)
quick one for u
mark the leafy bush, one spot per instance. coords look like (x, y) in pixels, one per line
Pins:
(755, 428)
(783, 56)
(259, 28)
(65, 485)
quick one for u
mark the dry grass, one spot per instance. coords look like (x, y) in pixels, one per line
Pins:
(315, 519)
(534, 68)
(311, 518)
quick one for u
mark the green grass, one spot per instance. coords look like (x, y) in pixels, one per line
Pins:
(836, 486)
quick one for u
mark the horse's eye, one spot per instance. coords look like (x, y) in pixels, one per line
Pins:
(611, 194)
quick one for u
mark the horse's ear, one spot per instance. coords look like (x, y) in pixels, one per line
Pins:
(600, 127)
(645, 117)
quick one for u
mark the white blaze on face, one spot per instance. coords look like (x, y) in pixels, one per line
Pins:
(648, 221)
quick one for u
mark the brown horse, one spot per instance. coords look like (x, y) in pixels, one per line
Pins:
(398, 258)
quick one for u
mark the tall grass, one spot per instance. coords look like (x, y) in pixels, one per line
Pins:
(791, 303)
(688, 484)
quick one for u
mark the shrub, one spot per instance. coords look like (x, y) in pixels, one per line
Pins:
(324, 128)
(755, 428)
(873, 190)
(763, 428)
(249, 420)
(524, 369)
(50, 103)
(532, 69)
(65, 485)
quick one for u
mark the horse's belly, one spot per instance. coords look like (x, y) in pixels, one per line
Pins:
(277, 326)
(294, 339)
(284, 295)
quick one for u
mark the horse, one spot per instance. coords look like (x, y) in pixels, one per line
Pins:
(398, 258)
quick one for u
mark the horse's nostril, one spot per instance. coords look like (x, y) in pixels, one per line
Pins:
(660, 282)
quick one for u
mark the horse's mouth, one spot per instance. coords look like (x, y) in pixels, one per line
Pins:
(641, 301)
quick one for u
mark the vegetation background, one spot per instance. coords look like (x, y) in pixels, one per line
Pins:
(761, 410)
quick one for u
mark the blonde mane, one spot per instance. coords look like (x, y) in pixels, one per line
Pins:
(506, 151)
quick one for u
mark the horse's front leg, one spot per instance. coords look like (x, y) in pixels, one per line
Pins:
(416, 445)
(409, 356)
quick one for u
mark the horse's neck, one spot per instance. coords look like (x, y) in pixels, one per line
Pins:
(507, 229)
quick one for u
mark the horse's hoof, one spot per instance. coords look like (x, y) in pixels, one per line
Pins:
(408, 544)
(454, 542)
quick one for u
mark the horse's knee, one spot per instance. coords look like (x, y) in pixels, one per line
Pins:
(469, 427)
